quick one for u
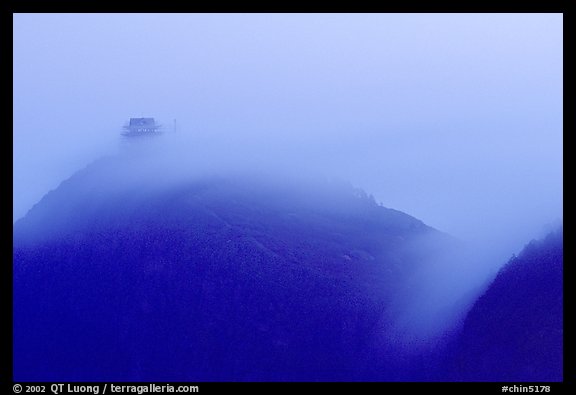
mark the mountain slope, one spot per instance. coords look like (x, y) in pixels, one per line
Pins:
(514, 331)
(121, 274)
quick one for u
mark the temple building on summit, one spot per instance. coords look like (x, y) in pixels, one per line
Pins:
(140, 127)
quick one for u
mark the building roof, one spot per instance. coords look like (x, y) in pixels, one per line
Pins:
(149, 122)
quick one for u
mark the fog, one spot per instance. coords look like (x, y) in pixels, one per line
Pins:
(455, 119)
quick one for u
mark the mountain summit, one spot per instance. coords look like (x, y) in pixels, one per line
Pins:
(125, 275)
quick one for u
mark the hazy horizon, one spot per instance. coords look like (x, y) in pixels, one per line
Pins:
(455, 119)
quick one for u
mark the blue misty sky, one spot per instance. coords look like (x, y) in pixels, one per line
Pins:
(455, 119)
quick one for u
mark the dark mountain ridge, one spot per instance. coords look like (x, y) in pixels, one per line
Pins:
(120, 277)
(130, 271)
(514, 331)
